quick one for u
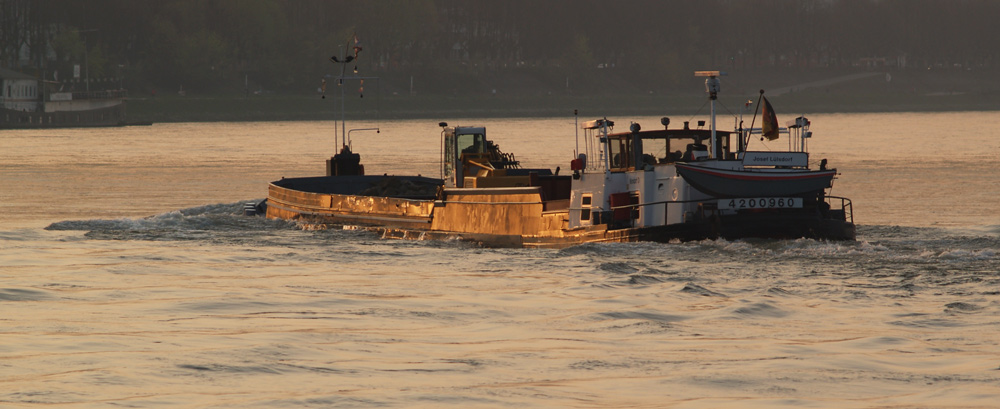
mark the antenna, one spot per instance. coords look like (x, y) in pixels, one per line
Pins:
(576, 121)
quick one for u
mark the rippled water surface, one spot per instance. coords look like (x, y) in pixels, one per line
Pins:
(128, 278)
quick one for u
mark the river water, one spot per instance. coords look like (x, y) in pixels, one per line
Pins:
(128, 278)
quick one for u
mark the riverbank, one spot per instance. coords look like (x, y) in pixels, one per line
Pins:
(840, 92)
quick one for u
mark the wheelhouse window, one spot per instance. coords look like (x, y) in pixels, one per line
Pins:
(620, 153)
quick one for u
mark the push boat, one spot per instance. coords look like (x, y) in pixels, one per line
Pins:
(661, 185)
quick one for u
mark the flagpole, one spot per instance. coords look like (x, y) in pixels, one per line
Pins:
(746, 142)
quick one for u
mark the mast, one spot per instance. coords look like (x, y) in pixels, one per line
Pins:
(338, 131)
(341, 136)
(712, 86)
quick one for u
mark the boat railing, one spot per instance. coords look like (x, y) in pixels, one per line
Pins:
(846, 207)
(637, 206)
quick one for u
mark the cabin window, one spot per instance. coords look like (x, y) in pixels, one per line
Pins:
(620, 153)
(585, 202)
(449, 158)
(471, 143)
(617, 156)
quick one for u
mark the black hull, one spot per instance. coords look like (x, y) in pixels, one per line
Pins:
(768, 226)
(739, 227)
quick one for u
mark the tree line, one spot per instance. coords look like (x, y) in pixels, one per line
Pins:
(285, 45)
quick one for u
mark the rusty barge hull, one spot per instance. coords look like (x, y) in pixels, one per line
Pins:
(493, 217)
(335, 200)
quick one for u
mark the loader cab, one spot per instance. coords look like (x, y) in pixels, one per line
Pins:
(463, 153)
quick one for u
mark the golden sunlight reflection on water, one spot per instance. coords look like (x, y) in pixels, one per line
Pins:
(148, 289)
(911, 169)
